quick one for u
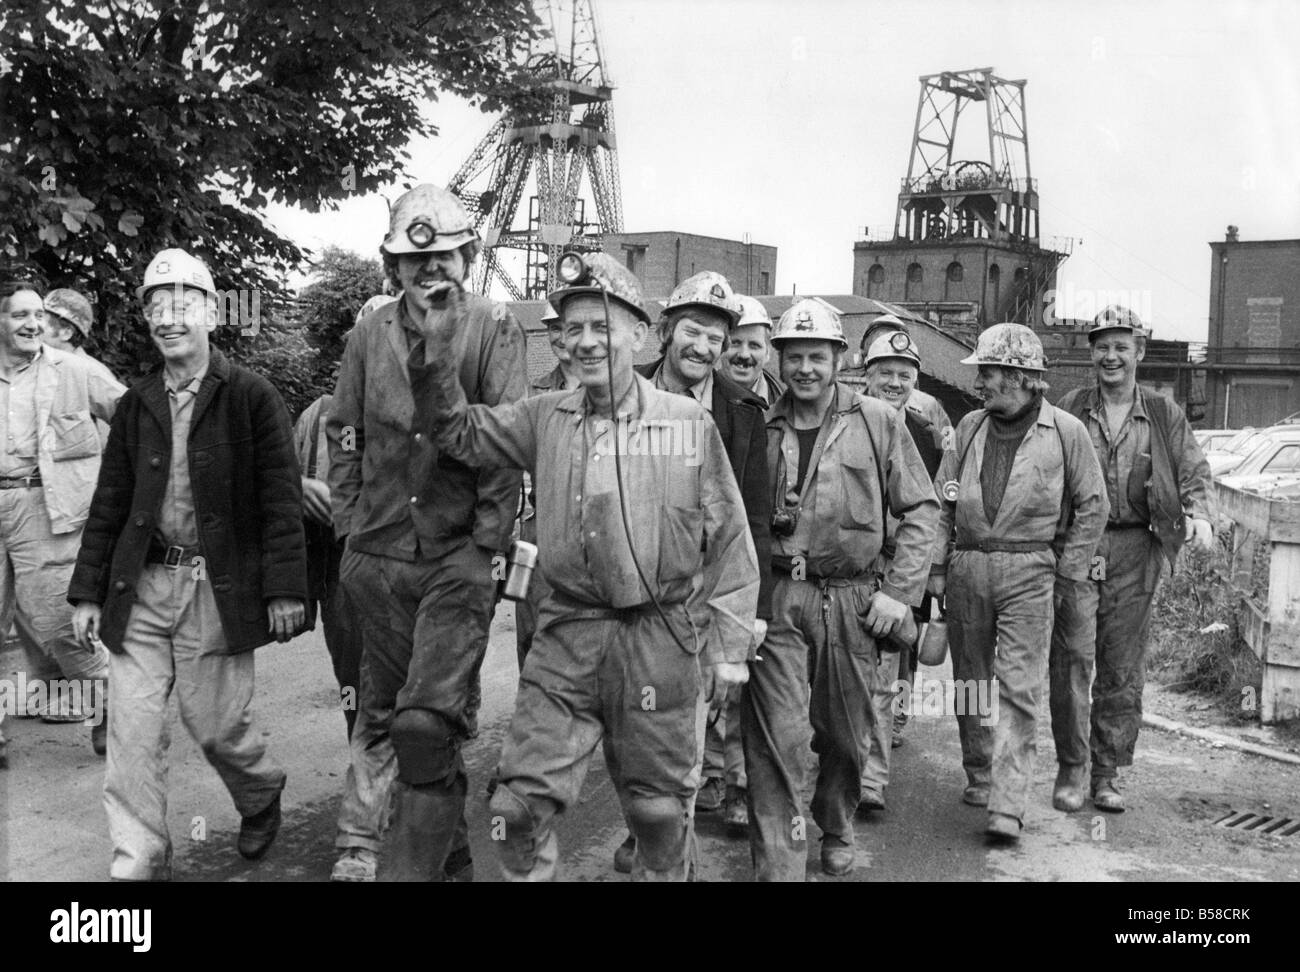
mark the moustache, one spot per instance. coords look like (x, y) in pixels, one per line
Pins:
(740, 361)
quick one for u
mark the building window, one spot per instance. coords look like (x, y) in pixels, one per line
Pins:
(915, 277)
(875, 280)
(764, 282)
(952, 276)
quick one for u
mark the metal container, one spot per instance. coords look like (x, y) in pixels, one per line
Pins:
(523, 558)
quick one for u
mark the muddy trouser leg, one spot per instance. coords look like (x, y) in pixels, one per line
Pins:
(972, 631)
(845, 675)
(1071, 664)
(343, 641)
(215, 695)
(453, 599)
(1020, 585)
(43, 562)
(733, 745)
(135, 778)
(883, 702)
(776, 734)
(1133, 567)
(556, 727)
(658, 746)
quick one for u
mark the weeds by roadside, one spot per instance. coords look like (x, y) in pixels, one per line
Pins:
(1196, 644)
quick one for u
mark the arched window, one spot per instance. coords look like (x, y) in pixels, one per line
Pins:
(915, 277)
(875, 280)
(951, 277)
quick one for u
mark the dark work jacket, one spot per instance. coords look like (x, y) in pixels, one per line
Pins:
(1180, 481)
(738, 414)
(247, 502)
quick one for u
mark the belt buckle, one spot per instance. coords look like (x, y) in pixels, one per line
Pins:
(172, 559)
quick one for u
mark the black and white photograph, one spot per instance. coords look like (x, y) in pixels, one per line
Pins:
(873, 459)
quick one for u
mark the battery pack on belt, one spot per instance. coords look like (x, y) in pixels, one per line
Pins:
(174, 556)
(1006, 546)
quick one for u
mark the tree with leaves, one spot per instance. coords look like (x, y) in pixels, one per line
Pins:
(132, 126)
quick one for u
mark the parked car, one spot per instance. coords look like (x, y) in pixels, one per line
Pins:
(1211, 439)
(1276, 450)
(1273, 485)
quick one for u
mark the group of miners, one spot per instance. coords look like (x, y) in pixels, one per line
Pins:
(734, 568)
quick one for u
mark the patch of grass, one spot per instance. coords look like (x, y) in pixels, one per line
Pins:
(1216, 663)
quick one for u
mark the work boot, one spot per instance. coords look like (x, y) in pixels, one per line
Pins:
(424, 828)
(1003, 826)
(625, 855)
(1106, 797)
(256, 833)
(871, 800)
(976, 794)
(736, 815)
(1068, 793)
(837, 856)
(356, 865)
(711, 795)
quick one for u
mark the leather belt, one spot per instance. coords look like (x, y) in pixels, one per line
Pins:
(20, 482)
(1006, 546)
(855, 580)
(171, 557)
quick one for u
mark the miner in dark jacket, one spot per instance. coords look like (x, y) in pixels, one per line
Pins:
(193, 556)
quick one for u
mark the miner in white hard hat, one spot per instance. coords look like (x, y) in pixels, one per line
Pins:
(652, 574)
(421, 531)
(1023, 507)
(746, 359)
(192, 557)
(840, 465)
(893, 364)
(1161, 496)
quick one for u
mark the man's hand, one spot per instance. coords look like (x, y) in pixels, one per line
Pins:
(1199, 533)
(760, 631)
(885, 615)
(937, 584)
(719, 678)
(85, 623)
(285, 616)
(316, 501)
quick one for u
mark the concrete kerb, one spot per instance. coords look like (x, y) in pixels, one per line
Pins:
(1227, 742)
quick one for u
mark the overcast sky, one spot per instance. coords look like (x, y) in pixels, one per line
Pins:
(1152, 126)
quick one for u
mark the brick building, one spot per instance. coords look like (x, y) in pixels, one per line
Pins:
(1253, 353)
(662, 260)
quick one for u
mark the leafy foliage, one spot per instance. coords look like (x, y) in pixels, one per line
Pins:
(130, 126)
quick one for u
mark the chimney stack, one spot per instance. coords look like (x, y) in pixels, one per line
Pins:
(1232, 235)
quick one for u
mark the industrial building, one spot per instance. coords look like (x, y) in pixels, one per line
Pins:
(662, 260)
(1253, 353)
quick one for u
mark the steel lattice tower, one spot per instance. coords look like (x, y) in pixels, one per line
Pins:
(554, 151)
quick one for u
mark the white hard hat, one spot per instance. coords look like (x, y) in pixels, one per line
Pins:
(896, 345)
(706, 289)
(174, 267)
(428, 219)
(810, 320)
(1010, 346)
(549, 313)
(752, 311)
(1117, 317)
